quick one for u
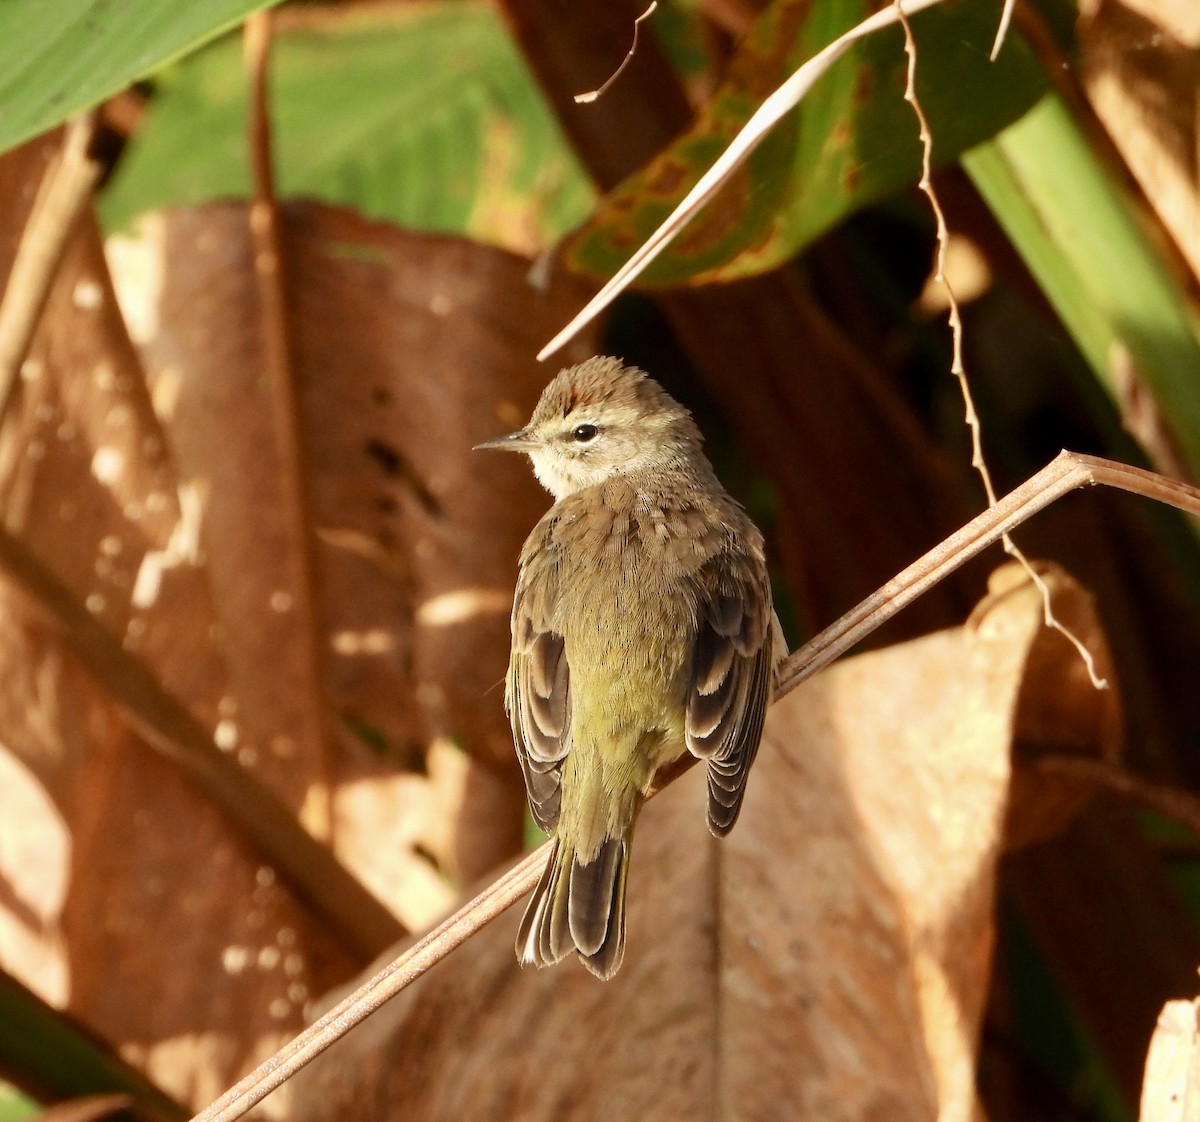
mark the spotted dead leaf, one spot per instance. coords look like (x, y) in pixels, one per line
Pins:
(407, 349)
(155, 891)
(150, 889)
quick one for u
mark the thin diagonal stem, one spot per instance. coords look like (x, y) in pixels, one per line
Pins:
(1178, 806)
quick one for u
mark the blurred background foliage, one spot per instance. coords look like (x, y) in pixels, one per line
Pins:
(797, 317)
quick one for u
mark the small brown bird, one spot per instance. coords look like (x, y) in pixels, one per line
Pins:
(642, 628)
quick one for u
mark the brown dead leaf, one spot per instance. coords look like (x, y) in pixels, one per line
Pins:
(1139, 70)
(408, 350)
(479, 1038)
(1058, 709)
(166, 901)
(34, 854)
(828, 961)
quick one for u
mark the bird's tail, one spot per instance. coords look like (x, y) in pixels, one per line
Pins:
(579, 906)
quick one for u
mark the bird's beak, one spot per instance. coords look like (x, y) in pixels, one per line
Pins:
(519, 441)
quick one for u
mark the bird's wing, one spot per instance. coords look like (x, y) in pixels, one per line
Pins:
(729, 685)
(538, 691)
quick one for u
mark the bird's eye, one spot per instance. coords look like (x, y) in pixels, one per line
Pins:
(584, 434)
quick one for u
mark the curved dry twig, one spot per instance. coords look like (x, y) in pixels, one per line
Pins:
(957, 366)
(1067, 472)
(592, 95)
(1002, 28)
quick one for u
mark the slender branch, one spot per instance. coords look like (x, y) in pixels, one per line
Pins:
(925, 184)
(269, 275)
(1068, 471)
(310, 869)
(957, 367)
(592, 95)
(63, 196)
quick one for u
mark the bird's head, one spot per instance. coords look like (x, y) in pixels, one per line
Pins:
(598, 420)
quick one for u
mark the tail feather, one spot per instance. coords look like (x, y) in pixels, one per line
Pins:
(554, 940)
(578, 906)
(591, 893)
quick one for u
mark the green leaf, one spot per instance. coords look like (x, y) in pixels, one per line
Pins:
(852, 141)
(1108, 283)
(58, 57)
(423, 115)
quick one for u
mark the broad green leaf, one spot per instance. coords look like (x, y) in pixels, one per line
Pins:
(58, 57)
(1109, 285)
(852, 141)
(423, 115)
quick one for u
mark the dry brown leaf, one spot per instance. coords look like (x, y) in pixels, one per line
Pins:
(430, 340)
(1139, 70)
(828, 961)
(165, 899)
(1058, 710)
(408, 350)
(1171, 1091)
(481, 1039)
(35, 846)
